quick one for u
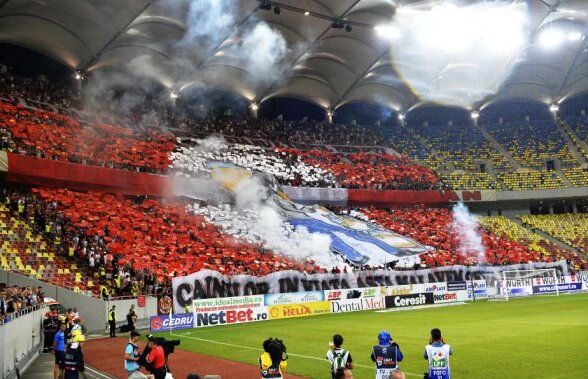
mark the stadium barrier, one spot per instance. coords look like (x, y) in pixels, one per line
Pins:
(93, 310)
(21, 341)
(206, 284)
(544, 285)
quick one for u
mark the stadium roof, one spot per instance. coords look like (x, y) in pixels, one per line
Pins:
(321, 64)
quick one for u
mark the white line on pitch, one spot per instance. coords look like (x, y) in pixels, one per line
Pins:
(290, 354)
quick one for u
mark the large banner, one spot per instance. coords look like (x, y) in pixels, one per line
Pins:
(212, 284)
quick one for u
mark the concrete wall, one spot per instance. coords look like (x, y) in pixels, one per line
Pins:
(92, 310)
(123, 306)
(20, 340)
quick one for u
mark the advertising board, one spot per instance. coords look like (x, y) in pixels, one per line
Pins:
(403, 301)
(436, 287)
(230, 310)
(163, 323)
(406, 289)
(561, 287)
(357, 293)
(355, 305)
(299, 309)
(293, 298)
(456, 286)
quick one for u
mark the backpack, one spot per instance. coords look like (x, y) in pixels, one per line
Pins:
(339, 359)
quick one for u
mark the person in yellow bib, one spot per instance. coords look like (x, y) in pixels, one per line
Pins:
(272, 362)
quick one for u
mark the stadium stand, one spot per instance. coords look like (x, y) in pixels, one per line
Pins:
(193, 160)
(577, 176)
(531, 179)
(531, 143)
(30, 253)
(432, 227)
(370, 170)
(470, 180)
(569, 228)
(160, 236)
(501, 225)
(53, 136)
(462, 146)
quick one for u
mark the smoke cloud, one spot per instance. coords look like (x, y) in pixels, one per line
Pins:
(466, 227)
(277, 233)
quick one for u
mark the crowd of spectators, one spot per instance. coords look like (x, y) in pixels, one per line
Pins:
(433, 227)
(15, 299)
(60, 137)
(370, 170)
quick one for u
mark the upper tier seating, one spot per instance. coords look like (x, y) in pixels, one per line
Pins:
(370, 170)
(432, 226)
(531, 143)
(470, 181)
(569, 228)
(531, 179)
(52, 136)
(462, 146)
(192, 160)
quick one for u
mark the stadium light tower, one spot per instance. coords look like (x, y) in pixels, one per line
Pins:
(173, 95)
(78, 76)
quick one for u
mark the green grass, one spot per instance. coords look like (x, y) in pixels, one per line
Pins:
(534, 337)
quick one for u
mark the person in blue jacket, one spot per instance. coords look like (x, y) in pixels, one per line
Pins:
(386, 354)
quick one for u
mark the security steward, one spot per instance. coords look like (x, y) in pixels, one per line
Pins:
(73, 361)
(112, 321)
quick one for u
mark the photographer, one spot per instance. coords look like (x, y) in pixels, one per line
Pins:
(437, 352)
(272, 362)
(386, 354)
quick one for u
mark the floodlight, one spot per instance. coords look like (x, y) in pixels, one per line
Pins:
(574, 36)
(388, 31)
(329, 113)
(78, 76)
(254, 106)
(551, 38)
(475, 114)
(348, 27)
(173, 95)
(554, 108)
(277, 10)
(338, 24)
(306, 13)
(400, 116)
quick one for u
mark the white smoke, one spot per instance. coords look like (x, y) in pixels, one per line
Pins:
(465, 226)
(262, 52)
(277, 233)
(209, 22)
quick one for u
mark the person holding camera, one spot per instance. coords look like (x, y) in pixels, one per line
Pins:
(272, 362)
(437, 352)
(386, 354)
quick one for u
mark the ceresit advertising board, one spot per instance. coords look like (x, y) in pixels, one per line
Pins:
(230, 310)
(163, 323)
(298, 310)
(403, 301)
(293, 298)
(356, 305)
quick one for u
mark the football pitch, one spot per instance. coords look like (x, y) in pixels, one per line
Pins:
(532, 337)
